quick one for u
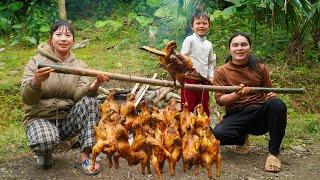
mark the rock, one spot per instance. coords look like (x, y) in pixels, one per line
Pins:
(250, 178)
(2, 49)
(173, 95)
(81, 44)
(101, 156)
(3, 169)
(299, 148)
(13, 73)
(150, 95)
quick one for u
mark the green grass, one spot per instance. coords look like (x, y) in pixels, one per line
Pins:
(12, 136)
(126, 58)
(302, 130)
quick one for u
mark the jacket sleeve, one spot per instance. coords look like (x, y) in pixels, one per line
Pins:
(29, 93)
(266, 80)
(219, 80)
(83, 86)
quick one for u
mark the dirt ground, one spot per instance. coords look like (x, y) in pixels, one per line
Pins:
(297, 164)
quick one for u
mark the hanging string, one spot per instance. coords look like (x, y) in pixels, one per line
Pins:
(185, 97)
(202, 94)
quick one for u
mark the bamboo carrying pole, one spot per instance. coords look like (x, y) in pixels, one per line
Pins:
(158, 82)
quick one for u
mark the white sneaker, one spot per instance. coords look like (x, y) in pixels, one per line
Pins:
(46, 161)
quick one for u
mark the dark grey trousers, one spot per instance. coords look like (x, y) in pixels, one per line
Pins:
(256, 120)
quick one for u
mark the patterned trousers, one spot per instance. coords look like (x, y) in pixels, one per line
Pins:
(44, 134)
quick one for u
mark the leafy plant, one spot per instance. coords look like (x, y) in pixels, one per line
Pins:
(27, 21)
(144, 21)
(298, 17)
(38, 21)
(8, 11)
(100, 24)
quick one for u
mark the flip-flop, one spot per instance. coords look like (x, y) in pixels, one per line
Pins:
(84, 167)
(273, 164)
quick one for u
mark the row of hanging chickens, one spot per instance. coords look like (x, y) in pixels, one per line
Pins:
(158, 135)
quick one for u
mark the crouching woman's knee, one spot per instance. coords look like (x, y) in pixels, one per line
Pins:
(277, 105)
(88, 104)
(42, 136)
(218, 132)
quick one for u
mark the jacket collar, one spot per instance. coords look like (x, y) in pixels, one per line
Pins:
(46, 50)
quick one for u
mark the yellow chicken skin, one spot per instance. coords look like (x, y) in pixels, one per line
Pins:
(177, 65)
(128, 111)
(173, 145)
(191, 151)
(210, 152)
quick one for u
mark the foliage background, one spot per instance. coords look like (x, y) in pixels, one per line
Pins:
(285, 35)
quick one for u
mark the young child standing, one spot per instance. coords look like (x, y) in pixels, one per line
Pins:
(199, 49)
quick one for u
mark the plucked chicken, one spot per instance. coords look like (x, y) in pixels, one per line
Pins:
(191, 151)
(139, 151)
(171, 111)
(128, 111)
(108, 105)
(123, 146)
(173, 145)
(187, 121)
(144, 116)
(210, 152)
(106, 140)
(158, 155)
(176, 64)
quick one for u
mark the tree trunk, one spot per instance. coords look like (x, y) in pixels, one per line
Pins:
(62, 10)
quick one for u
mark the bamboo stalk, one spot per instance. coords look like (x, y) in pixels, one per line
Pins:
(165, 83)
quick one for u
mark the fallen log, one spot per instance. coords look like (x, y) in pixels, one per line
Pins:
(165, 83)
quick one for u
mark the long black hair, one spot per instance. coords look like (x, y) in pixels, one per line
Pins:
(253, 62)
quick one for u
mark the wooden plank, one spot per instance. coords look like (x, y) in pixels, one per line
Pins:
(135, 87)
(140, 91)
(143, 90)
